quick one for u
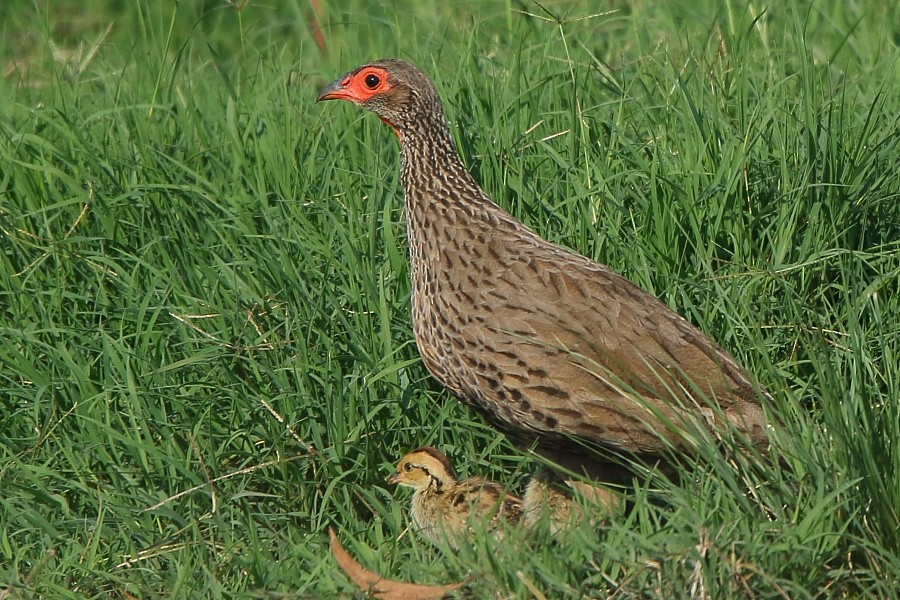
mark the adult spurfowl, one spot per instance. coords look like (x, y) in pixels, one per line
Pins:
(446, 509)
(552, 347)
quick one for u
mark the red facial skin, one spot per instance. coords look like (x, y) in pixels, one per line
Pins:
(353, 87)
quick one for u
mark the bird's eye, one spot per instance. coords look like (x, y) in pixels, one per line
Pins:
(372, 80)
(407, 467)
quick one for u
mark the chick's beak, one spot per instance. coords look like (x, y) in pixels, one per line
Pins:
(336, 91)
(394, 479)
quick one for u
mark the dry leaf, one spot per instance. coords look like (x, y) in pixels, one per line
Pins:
(381, 587)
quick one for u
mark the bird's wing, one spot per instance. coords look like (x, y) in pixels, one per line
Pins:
(569, 346)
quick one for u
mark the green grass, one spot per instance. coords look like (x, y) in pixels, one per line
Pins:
(205, 341)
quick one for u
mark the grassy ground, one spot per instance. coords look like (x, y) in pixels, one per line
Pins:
(205, 344)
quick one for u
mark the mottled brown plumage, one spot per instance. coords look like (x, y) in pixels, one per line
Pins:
(549, 345)
(446, 509)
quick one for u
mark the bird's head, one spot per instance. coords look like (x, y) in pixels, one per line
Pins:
(398, 92)
(424, 468)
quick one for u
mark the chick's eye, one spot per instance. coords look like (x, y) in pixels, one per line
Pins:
(407, 467)
(372, 80)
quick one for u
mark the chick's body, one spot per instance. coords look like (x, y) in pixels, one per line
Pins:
(444, 509)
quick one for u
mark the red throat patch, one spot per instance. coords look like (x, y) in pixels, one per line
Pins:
(394, 127)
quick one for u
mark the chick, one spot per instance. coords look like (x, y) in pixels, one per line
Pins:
(446, 509)
(549, 495)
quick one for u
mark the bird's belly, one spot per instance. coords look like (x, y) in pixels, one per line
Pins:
(506, 374)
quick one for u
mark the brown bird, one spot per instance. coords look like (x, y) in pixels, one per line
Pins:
(552, 347)
(446, 509)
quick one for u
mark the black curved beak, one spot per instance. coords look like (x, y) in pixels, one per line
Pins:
(335, 91)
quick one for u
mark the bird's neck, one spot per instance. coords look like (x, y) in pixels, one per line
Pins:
(435, 487)
(429, 158)
(437, 184)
